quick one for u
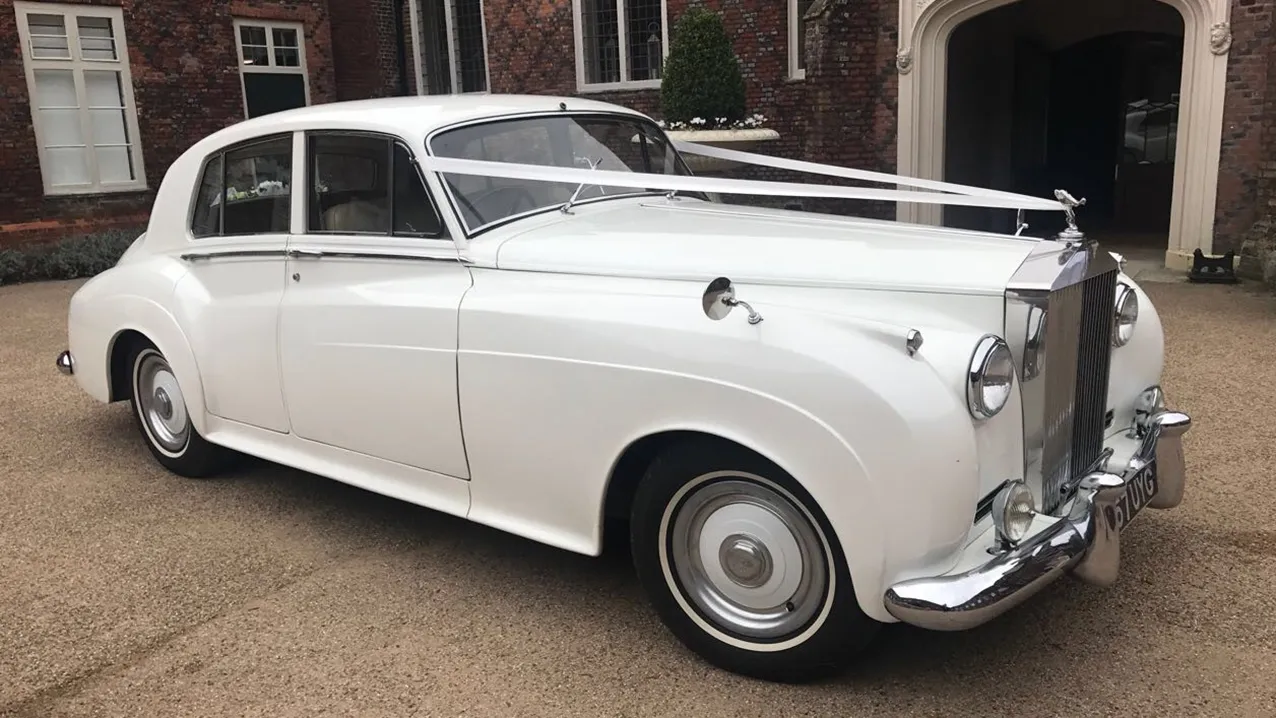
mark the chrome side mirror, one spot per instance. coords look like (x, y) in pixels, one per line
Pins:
(719, 298)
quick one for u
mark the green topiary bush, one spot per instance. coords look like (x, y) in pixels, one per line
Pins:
(70, 258)
(701, 77)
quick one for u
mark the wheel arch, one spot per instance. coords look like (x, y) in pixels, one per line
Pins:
(157, 327)
(861, 540)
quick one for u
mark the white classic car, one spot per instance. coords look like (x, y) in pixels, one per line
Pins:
(815, 425)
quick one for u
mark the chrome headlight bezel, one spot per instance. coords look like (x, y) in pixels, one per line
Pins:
(1125, 314)
(991, 358)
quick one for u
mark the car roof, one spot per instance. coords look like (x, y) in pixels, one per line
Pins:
(412, 116)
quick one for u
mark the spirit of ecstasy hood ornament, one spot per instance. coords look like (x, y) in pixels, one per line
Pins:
(1070, 205)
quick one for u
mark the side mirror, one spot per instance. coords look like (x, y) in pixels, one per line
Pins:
(719, 298)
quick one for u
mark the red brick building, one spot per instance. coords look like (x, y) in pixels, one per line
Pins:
(1161, 112)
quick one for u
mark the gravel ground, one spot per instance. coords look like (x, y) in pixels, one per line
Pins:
(128, 591)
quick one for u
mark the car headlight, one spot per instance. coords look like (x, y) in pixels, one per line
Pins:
(991, 375)
(1012, 512)
(1127, 315)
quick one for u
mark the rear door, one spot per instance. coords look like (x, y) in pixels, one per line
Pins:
(229, 298)
(368, 323)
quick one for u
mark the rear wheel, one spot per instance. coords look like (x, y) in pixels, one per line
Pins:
(742, 566)
(159, 409)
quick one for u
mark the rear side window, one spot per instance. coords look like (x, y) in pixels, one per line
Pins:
(245, 190)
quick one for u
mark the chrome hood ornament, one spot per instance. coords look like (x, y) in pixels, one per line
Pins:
(1070, 204)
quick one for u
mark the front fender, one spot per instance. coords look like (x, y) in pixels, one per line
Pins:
(132, 298)
(559, 374)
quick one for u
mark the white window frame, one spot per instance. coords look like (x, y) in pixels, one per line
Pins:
(449, 14)
(578, 20)
(272, 68)
(77, 65)
(797, 45)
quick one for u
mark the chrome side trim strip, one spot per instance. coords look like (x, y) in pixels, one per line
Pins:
(230, 253)
(338, 254)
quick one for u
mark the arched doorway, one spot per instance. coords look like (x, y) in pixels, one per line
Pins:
(1119, 101)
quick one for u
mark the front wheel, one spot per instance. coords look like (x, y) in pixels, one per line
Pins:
(159, 409)
(742, 566)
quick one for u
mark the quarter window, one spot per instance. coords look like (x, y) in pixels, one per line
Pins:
(367, 184)
(620, 43)
(81, 94)
(272, 66)
(246, 190)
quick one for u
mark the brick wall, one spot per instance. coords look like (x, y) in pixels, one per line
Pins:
(1240, 161)
(185, 83)
(1258, 244)
(364, 56)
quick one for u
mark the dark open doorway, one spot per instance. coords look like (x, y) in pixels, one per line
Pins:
(1083, 102)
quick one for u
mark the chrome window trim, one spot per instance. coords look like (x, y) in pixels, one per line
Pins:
(391, 139)
(221, 152)
(471, 233)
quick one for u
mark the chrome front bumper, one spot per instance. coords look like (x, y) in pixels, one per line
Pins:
(1086, 541)
(66, 363)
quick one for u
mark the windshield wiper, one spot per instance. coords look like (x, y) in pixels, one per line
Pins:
(593, 165)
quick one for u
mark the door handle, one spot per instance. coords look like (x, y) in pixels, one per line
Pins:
(305, 253)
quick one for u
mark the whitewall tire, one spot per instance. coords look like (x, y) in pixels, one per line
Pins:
(742, 566)
(162, 417)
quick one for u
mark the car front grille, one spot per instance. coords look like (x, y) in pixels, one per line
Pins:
(1078, 351)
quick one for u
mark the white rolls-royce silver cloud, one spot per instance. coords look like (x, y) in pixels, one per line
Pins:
(526, 311)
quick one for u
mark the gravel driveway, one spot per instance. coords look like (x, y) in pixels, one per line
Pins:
(125, 590)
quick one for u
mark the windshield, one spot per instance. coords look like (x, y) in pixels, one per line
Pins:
(604, 142)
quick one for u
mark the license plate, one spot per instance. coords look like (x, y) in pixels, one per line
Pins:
(1139, 490)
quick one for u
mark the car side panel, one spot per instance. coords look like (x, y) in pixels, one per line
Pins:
(229, 307)
(559, 374)
(133, 297)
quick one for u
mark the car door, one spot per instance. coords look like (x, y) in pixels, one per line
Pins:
(368, 322)
(228, 300)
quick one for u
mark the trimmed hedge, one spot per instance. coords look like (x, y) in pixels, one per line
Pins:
(701, 76)
(70, 258)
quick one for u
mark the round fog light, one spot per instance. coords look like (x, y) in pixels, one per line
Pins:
(1012, 512)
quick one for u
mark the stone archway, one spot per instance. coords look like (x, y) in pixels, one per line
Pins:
(925, 28)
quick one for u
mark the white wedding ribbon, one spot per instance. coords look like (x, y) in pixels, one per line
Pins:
(844, 172)
(953, 194)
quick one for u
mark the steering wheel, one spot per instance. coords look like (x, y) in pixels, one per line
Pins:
(520, 198)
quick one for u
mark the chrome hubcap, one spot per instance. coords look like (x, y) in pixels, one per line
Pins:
(747, 558)
(161, 404)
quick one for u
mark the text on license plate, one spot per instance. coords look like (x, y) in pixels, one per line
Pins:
(1139, 490)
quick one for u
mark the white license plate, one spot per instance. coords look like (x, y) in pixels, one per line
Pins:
(1139, 490)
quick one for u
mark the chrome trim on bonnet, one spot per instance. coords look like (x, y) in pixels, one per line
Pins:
(66, 362)
(1086, 542)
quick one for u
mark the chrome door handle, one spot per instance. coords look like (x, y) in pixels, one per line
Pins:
(305, 253)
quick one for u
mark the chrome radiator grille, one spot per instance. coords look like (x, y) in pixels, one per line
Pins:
(1078, 350)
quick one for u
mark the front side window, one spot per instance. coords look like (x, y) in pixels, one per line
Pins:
(81, 94)
(272, 66)
(365, 184)
(601, 142)
(245, 190)
(620, 43)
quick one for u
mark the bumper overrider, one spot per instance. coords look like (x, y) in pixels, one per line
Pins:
(1085, 541)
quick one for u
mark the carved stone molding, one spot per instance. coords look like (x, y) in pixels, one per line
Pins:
(1220, 38)
(904, 61)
